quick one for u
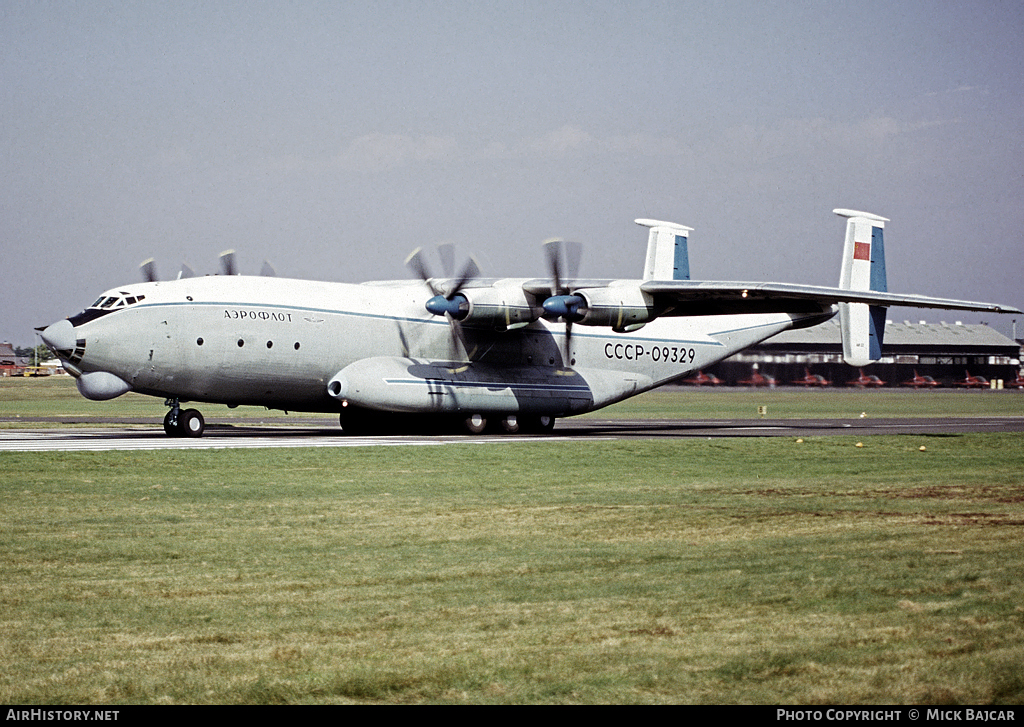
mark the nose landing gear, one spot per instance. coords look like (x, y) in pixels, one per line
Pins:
(187, 423)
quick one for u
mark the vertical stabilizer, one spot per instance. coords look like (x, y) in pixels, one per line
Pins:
(667, 256)
(863, 326)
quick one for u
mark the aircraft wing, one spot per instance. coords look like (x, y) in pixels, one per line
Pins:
(695, 298)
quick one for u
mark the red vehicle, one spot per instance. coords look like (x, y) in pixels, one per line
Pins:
(972, 382)
(920, 381)
(756, 379)
(700, 379)
(810, 379)
(866, 380)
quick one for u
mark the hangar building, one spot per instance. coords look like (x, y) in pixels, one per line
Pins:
(948, 352)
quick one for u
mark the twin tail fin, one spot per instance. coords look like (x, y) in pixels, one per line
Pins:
(862, 325)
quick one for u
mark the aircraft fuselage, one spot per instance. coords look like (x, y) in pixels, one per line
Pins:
(318, 346)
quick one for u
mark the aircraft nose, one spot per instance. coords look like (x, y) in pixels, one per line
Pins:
(60, 336)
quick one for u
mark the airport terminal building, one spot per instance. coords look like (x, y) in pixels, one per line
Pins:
(949, 353)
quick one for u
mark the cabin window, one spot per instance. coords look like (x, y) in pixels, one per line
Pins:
(199, 342)
(270, 344)
(296, 345)
(241, 342)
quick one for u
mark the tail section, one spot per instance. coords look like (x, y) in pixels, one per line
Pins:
(863, 326)
(667, 256)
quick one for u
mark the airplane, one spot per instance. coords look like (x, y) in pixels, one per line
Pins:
(757, 379)
(495, 354)
(700, 379)
(1017, 383)
(810, 379)
(920, 381)
(972, 382)
(865, 380)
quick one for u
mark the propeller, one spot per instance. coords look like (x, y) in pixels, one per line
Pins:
(402, 339)
(228, 266)
(564, 259)
(227, 263)
(447, 300)
(148, 268)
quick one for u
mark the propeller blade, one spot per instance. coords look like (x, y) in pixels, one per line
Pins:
(553, 248)
(148, 269)
(455, 338)
(564, 262)
(402, 339)
(573, 255)
(416, 263)
(446, 251)
(227, 263)
(470, 271)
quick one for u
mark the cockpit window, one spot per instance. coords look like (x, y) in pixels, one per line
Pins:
(113, 301)
(105, 304)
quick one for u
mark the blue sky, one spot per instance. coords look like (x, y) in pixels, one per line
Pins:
(333, 138)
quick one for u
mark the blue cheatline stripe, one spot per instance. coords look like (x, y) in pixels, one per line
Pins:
(878, 281)
(682, 260)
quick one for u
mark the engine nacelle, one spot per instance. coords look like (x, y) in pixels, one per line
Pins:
(503, 306)
(622, 307)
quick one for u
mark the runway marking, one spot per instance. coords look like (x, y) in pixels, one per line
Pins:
(102, 440)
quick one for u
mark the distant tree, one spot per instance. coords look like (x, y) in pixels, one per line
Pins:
(41, 353)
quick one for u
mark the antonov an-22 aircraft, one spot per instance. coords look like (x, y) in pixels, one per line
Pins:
(501, 354)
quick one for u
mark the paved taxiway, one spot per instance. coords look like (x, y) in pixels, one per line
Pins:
(132, 435)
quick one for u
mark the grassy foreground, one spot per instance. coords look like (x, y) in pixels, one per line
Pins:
(694, 571)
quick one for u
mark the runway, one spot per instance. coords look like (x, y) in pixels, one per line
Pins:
(128, 435)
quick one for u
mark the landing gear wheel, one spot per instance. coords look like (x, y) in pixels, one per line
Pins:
(537, 423)
(510, 424)
(191, 423)
(171, 428)
(475, 423)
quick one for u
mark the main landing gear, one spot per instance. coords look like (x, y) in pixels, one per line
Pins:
(509, 424)
(183, 423)
(362, 422)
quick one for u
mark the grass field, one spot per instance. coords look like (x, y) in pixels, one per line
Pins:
(692, 571)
